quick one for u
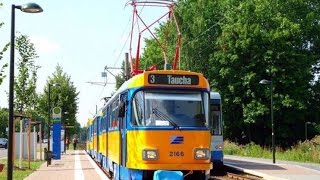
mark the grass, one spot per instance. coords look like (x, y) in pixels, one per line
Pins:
(307, 151)
(19, 174)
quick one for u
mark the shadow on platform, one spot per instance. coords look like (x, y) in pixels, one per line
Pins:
(253, 165)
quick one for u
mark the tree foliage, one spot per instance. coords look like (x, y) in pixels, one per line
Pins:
(4, 115)
(237, 43)
(26, 97)
(4, 49)
(64, 96)
(265, 40)
(120, 78)
(152, 54)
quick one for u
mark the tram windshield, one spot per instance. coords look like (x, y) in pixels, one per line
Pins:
(170, 108)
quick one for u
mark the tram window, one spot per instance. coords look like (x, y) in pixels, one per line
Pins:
(100, 124)
(115, 119)
(169, 108)
(95, 126)
(137, 113)
(103, 123)
(216, 120)
(112, 118)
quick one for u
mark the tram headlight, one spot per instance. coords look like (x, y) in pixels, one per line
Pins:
(150, 154)
(201, 153)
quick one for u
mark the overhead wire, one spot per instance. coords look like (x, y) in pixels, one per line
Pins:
(202, 33)
(118, 58)
(122, 49)
(198, 37)
(99, 99)
(128, 36)
(120, 53)
(124, 43)
(114, 51)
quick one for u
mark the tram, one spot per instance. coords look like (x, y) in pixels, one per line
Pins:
(156, 121)
(217, 130)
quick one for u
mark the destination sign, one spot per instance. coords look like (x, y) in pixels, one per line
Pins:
(170, 79)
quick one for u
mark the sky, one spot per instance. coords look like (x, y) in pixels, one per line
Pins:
(81, 36)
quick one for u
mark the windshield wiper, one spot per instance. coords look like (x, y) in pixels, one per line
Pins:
(161, 115)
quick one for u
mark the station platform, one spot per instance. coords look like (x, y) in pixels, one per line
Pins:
(72, 165)
(280, 170)
(77, 165)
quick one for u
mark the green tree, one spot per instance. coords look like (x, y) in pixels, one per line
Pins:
(313, 113)
(77, 130)
(2, 76)
(157, 51)
(266, 40)
(26, 97)
(152, 54)
(4, 49)
(120, 78)
(238, 43)
(4, 114)
(200, 30)
(64, 96)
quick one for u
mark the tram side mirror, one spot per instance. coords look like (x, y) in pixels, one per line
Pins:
(122, 108)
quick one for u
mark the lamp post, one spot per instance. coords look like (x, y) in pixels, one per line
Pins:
(28, 8)
(49, 111)
(306, 128)
(264, 81)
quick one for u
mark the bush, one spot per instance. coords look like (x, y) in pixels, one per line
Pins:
(231, 148)
(307, 151)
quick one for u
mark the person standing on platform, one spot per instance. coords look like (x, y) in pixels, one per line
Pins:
(75, 142)
(67, 143)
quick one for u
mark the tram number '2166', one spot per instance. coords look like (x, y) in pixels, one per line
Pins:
(176, 153)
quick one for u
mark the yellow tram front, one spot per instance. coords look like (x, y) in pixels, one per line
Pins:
(167, 123)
